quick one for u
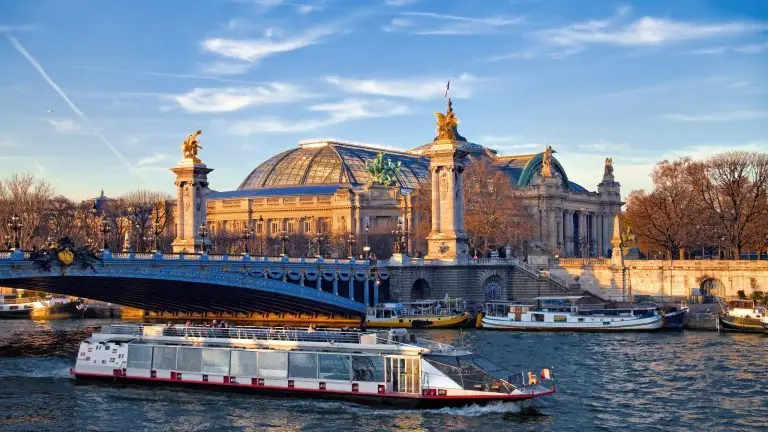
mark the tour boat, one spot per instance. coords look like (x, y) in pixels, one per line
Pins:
(390, 368)
(565, 314)
(22, 308)
(447, 313)
(744, 316)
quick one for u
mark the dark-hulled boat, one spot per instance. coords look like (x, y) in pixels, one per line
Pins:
(744, 316)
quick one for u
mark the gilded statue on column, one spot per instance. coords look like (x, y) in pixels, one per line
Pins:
(190, 146)
(447, 125)
(546, 162)
(608, 172)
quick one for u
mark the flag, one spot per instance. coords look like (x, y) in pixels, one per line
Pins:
(447, 87)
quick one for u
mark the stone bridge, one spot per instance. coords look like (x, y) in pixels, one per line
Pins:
(474, 280)
(663, 278)
(200, 283)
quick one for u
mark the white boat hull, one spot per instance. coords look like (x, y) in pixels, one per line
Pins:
(597, 324)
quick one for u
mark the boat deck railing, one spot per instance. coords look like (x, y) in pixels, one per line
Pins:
(383, 337)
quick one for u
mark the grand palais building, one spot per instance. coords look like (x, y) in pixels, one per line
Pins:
(323, 186)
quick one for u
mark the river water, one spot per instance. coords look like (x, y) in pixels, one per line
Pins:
(628, 381)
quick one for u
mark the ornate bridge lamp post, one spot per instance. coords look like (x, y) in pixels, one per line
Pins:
(203, 233)
(262, 232)
(283, 239)
(247, 233)
(7, 242)
(351, 242)
(105, 229)
(367, 247)
(14, 225)
(156, 235)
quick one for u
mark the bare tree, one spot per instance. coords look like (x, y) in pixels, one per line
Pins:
(495, 215)
(151, 213)
(27, 197)
(733, 187)
(667, 217)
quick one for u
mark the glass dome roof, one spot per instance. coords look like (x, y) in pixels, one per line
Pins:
(329, 162)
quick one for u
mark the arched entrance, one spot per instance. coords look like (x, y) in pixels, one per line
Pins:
(712, 287)
(420, 290)
(492, 288)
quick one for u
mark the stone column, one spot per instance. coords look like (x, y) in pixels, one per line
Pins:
(460, 201)
(607, 232)
(560, 228)
(435, 200)
(599, 234)
(582, 230)
(551, 229)
(568, 233)
(449, 223)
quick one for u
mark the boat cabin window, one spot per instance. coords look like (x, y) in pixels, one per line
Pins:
(244, 363)
(273, 364)
(383, 313)
(333, 367)
(140, 356)
(538, 317)
(215, 360)
(302, 365)
(368, 368)
(189, 360)
(561, 318)
(164, 358)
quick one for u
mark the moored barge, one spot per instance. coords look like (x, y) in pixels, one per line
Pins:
(391, 368)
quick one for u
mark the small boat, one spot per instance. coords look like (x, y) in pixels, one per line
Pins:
(743, 316)
(563, 313)
(674, 317)
(446, 313)
(388, 367)
(21, 308)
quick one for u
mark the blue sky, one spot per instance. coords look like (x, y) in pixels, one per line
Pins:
(100, 94)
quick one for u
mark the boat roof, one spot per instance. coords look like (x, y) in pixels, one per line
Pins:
(559, 298)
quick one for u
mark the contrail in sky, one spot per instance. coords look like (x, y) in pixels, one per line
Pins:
(71, 104)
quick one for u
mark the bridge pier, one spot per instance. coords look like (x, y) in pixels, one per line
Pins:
(366, 293)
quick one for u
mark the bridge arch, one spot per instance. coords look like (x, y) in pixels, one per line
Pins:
(712, 287)
(420, 289)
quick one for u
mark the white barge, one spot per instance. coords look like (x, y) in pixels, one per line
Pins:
(390, 368)
(563, 313)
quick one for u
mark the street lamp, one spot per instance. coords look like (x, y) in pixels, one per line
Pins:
(351, 241)
(261, 231)
(367, 247)
(247, 233)
(105, 228)
(203, 233)
(14, 225)
(283, 239)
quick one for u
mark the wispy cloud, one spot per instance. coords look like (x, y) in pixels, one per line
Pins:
(302, 8)
(398, 3)
(430, 23)
(338, 112)
(8, 142)
(602, 146)
(726, 116)
(65, 125)
(412, 88)
(740, 49)
(165, 74)
(226, 68)
(213, 100)
(153, 159)
(644, 31)
(16, 28)
(69, 102)
(254, 50)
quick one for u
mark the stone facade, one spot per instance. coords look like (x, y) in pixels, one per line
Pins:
(191, 190)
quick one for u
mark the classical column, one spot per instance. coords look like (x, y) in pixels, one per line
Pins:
(560, 228)
(551, 229)
(567, 233)
(599, 244)
(435, 199)
(582, 230)
(593, 234)
(366, 294)
(450, 222)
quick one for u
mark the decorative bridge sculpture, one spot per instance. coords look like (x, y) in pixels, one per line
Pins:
(198, 283)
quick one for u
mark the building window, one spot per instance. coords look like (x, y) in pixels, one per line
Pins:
(275, 228)
(307, 226)
(291, 227)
